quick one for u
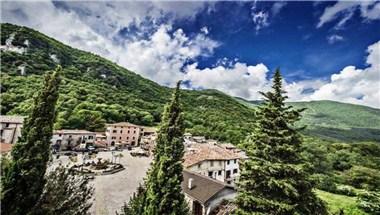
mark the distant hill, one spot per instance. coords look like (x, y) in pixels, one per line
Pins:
(95, 90)
(336, 121)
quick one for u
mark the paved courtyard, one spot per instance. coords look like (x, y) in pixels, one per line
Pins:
(111, 191)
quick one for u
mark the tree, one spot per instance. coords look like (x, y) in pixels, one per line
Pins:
(65, 193)
(163, 186)
(23, 180)
(274, 179)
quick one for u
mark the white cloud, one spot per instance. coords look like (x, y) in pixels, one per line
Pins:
(238, 79)
(163, 55)
(334, 38)
(260, 19)
(277, 7)
(344, 10)
(352, 85)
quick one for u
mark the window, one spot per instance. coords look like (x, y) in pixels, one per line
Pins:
(113, 138)
(90, 137)
(228, 182)
(199, 166)
(128, 131)
(220, 172)
(235, 161)
(7, 125)
(228, 173)
(228, 162)
(211, 163)
(121, 131)
(235, 171)
(133, 137)
(70, 136)
(60, 135)
(114, 131)
(119, 138)
(210, 174)
(127, 138)
(134, 132)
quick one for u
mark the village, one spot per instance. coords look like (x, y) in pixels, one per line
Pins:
(117, 160)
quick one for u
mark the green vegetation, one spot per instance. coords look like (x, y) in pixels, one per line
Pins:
(163, 185)
(337, 203)
(335, 121)
(95, 91)
(274, 179)
(23, 179)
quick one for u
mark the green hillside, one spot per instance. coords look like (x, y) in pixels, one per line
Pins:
(96, 91)
(337, 121)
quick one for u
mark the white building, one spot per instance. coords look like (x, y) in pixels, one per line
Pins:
(204, 194)
(68, 139)
(10, 128)
(214, 161)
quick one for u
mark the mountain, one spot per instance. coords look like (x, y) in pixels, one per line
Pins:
(95, 90)
(336, 121)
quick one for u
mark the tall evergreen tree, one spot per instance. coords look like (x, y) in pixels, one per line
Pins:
(163, 186)
(23, 179)
(135, 206)
(274, 179)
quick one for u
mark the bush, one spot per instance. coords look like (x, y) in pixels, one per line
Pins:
(370, 202)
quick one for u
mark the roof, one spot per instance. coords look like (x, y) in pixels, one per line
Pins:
(203, 188)
(73, 131)
(5, 147)
(201, 152)
(12, 119)
(122, 124)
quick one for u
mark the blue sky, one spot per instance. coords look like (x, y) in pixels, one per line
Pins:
(326, 50)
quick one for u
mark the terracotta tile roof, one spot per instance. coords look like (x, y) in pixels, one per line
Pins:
(203, 188)
(5, 147)
(12, 119)
(201, 152)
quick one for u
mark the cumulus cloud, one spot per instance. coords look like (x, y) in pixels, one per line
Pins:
(162, 56)
(344, 10)
(352, 85)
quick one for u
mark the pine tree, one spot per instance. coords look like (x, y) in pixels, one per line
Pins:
(23, 179)
(65, 193)
(274, 179)
(163, 186)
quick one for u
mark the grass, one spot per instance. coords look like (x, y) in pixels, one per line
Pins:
(336, 202)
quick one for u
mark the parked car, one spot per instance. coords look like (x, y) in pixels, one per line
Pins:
(140, 153)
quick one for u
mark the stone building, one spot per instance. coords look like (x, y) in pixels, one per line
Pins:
(10, 128)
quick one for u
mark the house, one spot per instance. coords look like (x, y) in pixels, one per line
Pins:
(204, 194)
(214, 161)
(100, 140)
(10, 128)
(125, 133)
(68, 139)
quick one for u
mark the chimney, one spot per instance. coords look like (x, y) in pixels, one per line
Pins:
(190, 183)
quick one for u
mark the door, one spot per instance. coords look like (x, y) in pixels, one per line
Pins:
(197, 208)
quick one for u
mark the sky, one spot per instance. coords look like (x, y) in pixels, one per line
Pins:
(325, 50)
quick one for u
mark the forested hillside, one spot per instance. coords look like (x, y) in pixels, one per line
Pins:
(337, 121)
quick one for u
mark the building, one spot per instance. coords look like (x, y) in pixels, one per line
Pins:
(204, 194)
(214, 161)
(10, 128)
(125, 133)
(100, 140)
(68, 139)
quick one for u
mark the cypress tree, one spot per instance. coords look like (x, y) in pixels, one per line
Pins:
(23, 179)
(135, 204)
(163, 186)
(274, 179)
